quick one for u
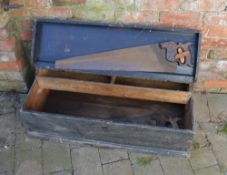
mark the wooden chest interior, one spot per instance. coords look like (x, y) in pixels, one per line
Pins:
(135, 101)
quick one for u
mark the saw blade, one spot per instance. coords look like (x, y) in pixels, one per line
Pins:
(147, 58)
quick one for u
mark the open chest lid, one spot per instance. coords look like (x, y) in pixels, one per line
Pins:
(174, 53)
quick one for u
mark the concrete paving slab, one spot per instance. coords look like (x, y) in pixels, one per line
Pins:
(86, 161)
(25, 142)
(217, 105)
(219, 145)
(210, 127)
(7, 130)
(20, 127)
(201, 107)
(27, 159)
(29, 167)
(202, 158)
(176, 165)
(144, 164)
(64, 172)
(199, 138)
(6, 161)
(213, 170)
(56, 157)
(7, 103)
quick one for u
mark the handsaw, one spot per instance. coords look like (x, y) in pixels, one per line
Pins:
(147, 58)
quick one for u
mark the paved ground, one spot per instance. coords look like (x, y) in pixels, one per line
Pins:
(22, 155)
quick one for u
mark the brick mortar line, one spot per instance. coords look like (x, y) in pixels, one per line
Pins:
(59, 171)
(208, 106)
(114, 161)
(131, 164)
(209, 144)
(208, 141)
(201, 17)
(206, 167)
(218, 163)
(100, 161)
(14, 159)
(163, 171)
(6, 114)
(42, 157)
(71, 159)
(16, 100)
(14, 152)
(206, 135)
(193, 171)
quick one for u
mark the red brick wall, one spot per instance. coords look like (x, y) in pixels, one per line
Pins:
(210, 16)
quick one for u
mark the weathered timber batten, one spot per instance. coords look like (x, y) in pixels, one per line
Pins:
(113, 85)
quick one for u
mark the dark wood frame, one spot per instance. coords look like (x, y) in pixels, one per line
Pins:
(151, 139)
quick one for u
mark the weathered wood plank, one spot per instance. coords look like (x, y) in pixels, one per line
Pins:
(114, 90)
(117, 80)
(152, 83)
(37, 99)
(82, 129)
(73, 75)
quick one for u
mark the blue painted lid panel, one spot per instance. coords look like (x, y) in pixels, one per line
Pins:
(58, 39)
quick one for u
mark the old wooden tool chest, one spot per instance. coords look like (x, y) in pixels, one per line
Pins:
(113, 85)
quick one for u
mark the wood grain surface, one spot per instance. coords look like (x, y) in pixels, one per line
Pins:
(114, 90)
